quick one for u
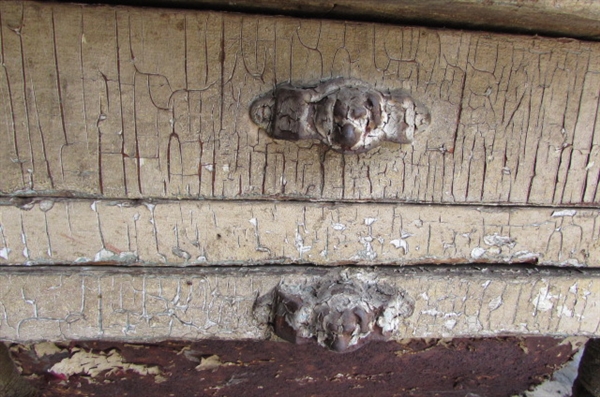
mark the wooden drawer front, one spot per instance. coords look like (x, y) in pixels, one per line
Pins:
(130, 103)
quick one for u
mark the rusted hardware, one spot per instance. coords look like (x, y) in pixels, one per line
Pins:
(348, 115)
(341, 313)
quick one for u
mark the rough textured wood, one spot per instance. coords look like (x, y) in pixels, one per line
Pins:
(187, 233)
(121, 102)
(573, 18)
(65, 305)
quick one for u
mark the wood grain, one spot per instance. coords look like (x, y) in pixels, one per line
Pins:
(188, 233)
(115, 305)
(131, 103)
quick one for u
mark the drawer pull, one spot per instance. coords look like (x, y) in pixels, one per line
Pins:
(348, 115)
(342, 313)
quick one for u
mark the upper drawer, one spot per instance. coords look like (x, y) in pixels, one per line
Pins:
(129, 103)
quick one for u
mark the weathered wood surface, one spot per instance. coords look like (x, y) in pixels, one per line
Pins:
(572, 18)
(64, 305)
(188, 233)
(130, 103)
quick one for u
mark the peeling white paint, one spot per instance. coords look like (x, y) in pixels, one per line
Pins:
(370, 221)
(82, 362)
(562, 213)
(544, 301)
(368, 253)
(400, 243)
(477, 252)
(299, 243)
(499, 241)
(495, 303)
(46, 205)
(450, 324)
(338, 226)
(4, 253)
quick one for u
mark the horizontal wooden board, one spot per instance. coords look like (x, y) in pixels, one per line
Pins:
(66, 305)
(189, 233)
(572, 18)
(129, 103)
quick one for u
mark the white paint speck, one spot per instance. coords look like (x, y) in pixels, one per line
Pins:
(477, 252)
(561, 213)
(544, 301)
(405, 234)
(495, 303)
(4, 252)
(46, 205)
(370, 221)
(254, 222)
(338, 226)
(299, 242)
(450, 323)
(399, 243)
(104, 254)
(573, 289)
(497, 240)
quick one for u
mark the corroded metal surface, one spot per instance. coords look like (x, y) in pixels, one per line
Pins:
(348, 115)
(342, 312)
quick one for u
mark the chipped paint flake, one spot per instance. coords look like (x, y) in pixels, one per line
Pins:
(544, 301)
(4, 253)
(400, 243)
(94, 364)
(104, 255)
(562, 213)
(498, 241)
(338, 226)
(370, 221)
(477, 252)
(495, 303)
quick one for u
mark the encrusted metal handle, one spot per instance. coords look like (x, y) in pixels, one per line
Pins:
(342, 313)
(348, 115)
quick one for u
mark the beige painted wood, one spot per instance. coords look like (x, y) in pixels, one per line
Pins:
(188, 233)
(63, 305)
(570, 18)
(130, 103)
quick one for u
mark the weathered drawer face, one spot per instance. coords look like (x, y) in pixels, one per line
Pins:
(127, 103)
(128, 141)
(112, 104)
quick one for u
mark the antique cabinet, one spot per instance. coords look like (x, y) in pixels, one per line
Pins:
(141, 203)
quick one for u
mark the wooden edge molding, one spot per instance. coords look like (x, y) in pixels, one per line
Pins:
(58, 304)
(216, 233)
(572, 18)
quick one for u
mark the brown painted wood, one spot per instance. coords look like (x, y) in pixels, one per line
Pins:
(487, 367)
